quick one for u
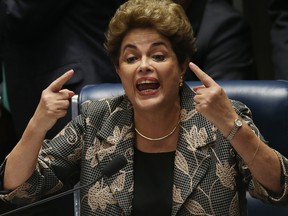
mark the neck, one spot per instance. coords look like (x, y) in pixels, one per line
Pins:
(168, 144)
(157, 122)
(157, 132)
(158, 138)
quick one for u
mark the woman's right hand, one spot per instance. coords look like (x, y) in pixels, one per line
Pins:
(22, 160)
(53, 104)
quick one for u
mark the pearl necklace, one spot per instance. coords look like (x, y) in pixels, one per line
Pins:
(159, 138)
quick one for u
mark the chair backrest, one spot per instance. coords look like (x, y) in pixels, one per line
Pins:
(267, 99)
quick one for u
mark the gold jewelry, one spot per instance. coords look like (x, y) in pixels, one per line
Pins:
(255, 153)
(159, 138)
(181, 81)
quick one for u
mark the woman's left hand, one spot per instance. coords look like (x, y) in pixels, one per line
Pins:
(212, 102)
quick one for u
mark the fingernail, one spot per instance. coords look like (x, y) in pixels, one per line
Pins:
(192, 64)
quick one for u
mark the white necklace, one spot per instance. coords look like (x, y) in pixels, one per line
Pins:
(159, 138)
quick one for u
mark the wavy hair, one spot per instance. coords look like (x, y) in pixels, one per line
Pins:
(165, 16)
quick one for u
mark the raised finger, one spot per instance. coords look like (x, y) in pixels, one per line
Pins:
(57, 84)
(202, 76)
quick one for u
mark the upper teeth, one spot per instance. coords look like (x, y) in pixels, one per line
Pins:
(146, 82)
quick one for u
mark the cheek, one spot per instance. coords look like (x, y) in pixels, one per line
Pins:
(173, 83)
(127, 78)
(174, 77)
(123, 72)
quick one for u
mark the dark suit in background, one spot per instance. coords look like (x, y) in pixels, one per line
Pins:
(278, 10)
(224, 41)
(43, 39)
(46, 38)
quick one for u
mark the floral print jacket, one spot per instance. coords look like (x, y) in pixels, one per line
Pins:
(209, 177)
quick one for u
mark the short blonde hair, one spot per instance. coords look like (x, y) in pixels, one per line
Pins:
(165, 16)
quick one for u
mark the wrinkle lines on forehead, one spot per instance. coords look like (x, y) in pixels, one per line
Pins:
(151, 46)
(148, 38)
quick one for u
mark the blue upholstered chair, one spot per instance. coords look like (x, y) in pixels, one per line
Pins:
(267, 99)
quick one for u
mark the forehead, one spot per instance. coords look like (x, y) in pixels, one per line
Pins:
(144, 36)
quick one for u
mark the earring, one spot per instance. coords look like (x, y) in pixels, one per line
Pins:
(181, 81)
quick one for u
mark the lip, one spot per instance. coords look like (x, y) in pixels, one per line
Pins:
(147, 82)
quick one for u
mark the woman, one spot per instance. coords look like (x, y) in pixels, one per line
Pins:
(188, 152)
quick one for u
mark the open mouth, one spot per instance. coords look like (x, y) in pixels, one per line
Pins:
(147, 85)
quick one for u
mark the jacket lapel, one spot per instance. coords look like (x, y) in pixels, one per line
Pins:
(192, 160)
(189, 170)
(118, 132)
(121, 183)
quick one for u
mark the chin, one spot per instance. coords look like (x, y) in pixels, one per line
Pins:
(148, 104)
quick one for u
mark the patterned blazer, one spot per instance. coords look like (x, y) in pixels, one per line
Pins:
(209, 177)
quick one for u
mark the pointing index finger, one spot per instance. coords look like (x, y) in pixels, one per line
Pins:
(57, 84)
(202, 76)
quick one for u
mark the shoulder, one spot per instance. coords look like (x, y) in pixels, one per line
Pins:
(223, 8)
(223, 19)
(103, 107)
(102, 104)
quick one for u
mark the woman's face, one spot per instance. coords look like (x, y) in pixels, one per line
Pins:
(149, 70)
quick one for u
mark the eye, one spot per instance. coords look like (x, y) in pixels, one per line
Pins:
(131, 59)
(158, 57)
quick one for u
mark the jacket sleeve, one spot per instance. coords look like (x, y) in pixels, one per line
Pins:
(58, 167)
(255, 188)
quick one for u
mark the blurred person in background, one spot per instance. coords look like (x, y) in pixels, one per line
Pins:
(278, 10)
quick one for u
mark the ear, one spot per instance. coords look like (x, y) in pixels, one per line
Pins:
(184, 67)
(117, 70)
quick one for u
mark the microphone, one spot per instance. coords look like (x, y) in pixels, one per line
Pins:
(116, 164)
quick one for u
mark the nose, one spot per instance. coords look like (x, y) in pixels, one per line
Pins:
(145, 65)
